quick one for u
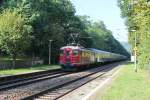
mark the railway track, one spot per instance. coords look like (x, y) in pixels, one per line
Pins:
(52, 86)
(58, 91)
(26, 81)
(19, 77)
(15, 81)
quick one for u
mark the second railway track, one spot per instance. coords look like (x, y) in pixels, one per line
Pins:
(26, 81)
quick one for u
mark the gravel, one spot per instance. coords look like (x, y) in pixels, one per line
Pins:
(27, 90)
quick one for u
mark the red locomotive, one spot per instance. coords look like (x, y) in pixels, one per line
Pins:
(76, 57)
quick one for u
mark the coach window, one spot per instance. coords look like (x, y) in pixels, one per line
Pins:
(75, 52)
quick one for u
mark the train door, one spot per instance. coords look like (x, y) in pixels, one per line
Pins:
(67, 55)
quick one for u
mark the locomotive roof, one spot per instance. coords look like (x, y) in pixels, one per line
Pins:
(73, 47)
(98, 51)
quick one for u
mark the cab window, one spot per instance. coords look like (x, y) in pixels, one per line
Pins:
(75, 52)
(67, 53)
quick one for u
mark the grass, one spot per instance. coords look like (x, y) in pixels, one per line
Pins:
(24, 70)
(28, 70)
(9, 58)
(129, 85)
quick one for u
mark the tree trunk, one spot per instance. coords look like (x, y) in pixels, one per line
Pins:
(14, 60)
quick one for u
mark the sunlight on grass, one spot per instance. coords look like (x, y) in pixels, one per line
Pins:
(129, 86)
(28, 70)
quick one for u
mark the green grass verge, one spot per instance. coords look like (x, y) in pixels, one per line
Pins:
(28, 70)
(129, 85)
(9, 58)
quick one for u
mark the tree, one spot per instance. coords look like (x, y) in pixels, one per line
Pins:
(102, 38)
(50, 19)
(14, 33)
(137, 15)
(53, 20)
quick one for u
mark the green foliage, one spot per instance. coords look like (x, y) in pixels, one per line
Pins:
(50, 19)
(144, 50)
(138, 19)
(14, 33)
(102, 38)
(55, 20)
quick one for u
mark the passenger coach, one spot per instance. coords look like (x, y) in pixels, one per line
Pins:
(76, 57)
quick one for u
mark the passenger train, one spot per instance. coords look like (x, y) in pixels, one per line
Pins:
(76, 57)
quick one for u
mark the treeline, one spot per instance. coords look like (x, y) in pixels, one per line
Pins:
(26, 26)
(102, 38)
(137, 15)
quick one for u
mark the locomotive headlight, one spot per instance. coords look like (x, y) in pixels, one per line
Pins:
(61, 62)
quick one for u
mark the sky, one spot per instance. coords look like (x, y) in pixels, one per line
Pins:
(106, 11)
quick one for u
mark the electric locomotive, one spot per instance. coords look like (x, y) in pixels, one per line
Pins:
(77, 57)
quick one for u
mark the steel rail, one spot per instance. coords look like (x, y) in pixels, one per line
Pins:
(31, 97)
(79, 86)
(25, 75)
(28, 78)
(15, 85)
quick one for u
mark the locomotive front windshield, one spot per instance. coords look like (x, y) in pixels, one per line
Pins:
(75, 52)
(67, 53)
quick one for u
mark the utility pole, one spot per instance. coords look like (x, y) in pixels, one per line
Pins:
(135, 53)
(135, 41)
(50, 42)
